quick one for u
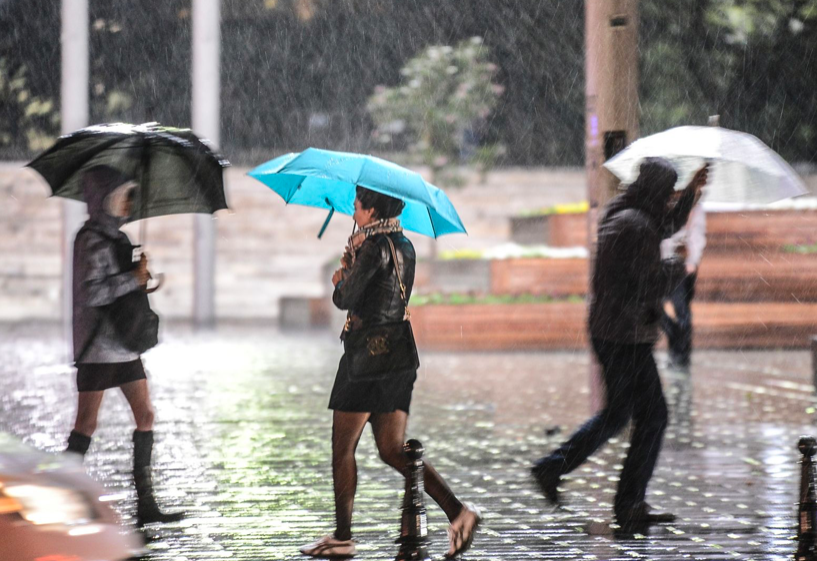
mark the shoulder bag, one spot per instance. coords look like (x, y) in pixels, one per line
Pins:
(375, 352)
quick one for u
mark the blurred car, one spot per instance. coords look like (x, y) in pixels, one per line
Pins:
(51, 510)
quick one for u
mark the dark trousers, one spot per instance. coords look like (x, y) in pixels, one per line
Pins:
(679, 330)
(633, 391)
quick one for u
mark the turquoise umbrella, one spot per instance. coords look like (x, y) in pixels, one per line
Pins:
(327, 180)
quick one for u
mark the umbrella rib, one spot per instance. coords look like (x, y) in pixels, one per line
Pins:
(431, 221)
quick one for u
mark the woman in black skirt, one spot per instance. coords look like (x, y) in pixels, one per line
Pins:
(104, 271)
(368, 286)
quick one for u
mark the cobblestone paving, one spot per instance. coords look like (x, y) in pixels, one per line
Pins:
(243, 446)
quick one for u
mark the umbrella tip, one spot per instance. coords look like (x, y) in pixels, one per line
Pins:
(714, 121)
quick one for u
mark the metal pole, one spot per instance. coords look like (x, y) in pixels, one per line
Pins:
(74, 113)
(206, 122)
(611, 107)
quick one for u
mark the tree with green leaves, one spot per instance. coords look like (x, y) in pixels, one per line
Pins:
(440, 110)
(23, 114)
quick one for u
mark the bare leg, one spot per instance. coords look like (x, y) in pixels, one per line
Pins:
(138, 397)
(88, 406)
(346, 430)
(389, 434)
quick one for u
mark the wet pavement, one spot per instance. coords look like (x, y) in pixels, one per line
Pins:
(243, 446)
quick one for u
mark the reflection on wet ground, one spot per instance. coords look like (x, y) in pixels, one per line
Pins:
(243, 445)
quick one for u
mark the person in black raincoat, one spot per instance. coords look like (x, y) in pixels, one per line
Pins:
(368, 286)
(104, 271)
(629, 282)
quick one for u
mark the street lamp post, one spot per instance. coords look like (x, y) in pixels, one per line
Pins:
(74, 115)
(206, 122)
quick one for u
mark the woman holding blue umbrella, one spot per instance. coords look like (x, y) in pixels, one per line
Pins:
(376, 375)
(374, 285)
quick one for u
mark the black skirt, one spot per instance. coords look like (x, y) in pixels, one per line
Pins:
(382, 396)
(98, 376)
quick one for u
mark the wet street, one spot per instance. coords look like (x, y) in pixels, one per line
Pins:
(243, 445)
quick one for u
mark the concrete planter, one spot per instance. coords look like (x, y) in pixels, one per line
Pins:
(461, 275)
(562, 326)
(486, 327)
(298, 312)
(554, 230)
(549, 277)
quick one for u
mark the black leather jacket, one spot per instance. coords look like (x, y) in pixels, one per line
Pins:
(371, 291)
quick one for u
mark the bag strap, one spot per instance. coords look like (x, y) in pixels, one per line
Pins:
(406, 313)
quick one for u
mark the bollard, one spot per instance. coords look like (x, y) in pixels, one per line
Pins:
(413, 538)
(807, 519)
(814, 361)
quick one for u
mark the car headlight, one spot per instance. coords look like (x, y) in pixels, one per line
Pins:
(40, 504)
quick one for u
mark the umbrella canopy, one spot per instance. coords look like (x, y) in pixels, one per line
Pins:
(742, 170)
(327, 179)
(177, 172)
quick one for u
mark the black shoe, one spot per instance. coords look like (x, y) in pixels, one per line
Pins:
(148, 512)
(641, 516)
(547, 483)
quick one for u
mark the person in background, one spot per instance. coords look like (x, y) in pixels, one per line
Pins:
(688, 244)
(104, 271)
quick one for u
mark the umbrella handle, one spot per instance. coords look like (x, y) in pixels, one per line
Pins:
(160, 279)
(326, 222)
(143, 232)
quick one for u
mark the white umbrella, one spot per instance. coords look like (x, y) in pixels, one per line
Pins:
(743, 169)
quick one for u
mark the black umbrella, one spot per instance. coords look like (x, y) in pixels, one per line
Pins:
(176, 171)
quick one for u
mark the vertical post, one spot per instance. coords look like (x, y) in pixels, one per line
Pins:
(814, 361)
(807, 508)
(611, 90)
(74, 115)
(413, 538)
(611, 107)
(206, 122)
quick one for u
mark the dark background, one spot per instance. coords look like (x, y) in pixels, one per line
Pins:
(297, 73)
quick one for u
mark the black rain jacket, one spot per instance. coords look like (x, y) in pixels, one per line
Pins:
(630, 280)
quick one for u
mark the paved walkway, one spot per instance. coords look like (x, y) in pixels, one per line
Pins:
(243, 445)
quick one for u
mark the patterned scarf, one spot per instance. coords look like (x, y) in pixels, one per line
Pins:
(384, 226)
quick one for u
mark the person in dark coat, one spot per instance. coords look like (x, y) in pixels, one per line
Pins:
(104, 271)
(629, 283)
(368, 286)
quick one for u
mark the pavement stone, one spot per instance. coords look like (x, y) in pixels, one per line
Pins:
(243, 445)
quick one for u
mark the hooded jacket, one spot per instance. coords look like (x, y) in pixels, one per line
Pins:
(102, 270)
(630, 280)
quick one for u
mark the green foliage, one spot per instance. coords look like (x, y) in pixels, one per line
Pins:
(446, 96)
(298, 73)
(750, 61)
(23, 114)
(800, 249)
(140, 61)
